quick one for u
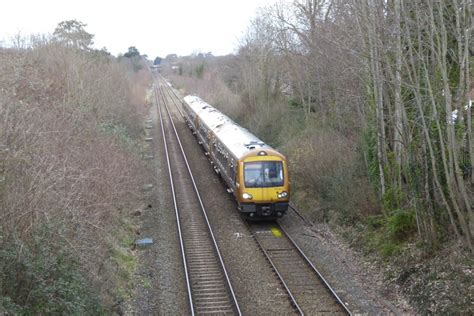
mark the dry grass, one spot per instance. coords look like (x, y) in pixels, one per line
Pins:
(59, 169)
(213, 90)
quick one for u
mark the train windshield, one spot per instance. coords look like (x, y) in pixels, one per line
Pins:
(260, 174)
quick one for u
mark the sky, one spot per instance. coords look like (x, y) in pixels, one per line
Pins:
(154, 27)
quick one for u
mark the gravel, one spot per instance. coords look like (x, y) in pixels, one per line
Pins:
(160, 284)
(357, 282)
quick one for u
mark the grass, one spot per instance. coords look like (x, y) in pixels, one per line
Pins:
(146, 283)
(111, 128)
(123, 262)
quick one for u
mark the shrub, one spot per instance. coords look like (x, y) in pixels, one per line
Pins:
(388, 249)
(387, 235)
(401, 224)
(327, 165)
(69, 173)
(43, 276)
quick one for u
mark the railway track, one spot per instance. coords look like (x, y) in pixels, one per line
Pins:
(174, 97)
(208, 284)
(307, 289)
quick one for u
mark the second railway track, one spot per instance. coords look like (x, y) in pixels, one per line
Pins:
(307, 289)
(209, 287)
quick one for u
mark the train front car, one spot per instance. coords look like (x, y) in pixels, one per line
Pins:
(263, 191)
(255, 173)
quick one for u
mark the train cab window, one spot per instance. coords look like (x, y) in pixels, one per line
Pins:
(263, 174)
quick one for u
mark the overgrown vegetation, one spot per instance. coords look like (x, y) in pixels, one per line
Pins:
(369, 100)
(70, 173)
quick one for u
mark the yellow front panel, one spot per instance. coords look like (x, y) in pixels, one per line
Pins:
(266, 194)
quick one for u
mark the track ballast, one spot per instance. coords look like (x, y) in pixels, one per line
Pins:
(208, 284)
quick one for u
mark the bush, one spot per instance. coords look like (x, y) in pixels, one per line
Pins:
(388, 249)
(326, 164)
(401, 224)
(43, 277)
(387, 235)
(69, 164)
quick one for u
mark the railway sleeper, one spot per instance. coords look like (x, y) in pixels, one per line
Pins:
(197, 234)
(199, 295)
(213, 300)
(198, 242)
(200, 250)
(213, 283)
(286, 254)
(197, 280)
(301, 276)
(197, 229)
(216, 307)
(219, 306)
(309, 286)
(204, 267)
(201, 253)
(204, 262)
(213, 291)
(228, 310)
(205, 275)
(219, 285)
(209, 282)
(203, 259)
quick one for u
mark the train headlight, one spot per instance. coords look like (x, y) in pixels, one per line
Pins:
(247, 196)
(282, 195)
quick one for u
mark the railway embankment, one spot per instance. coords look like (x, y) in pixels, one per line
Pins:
(71, 178)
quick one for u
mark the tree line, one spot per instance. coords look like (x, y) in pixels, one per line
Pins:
(394, 77)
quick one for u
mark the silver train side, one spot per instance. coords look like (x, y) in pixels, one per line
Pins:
(255, 173)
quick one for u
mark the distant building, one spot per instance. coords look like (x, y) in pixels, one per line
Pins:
(171, 57)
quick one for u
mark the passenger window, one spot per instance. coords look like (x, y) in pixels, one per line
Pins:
(232, 174)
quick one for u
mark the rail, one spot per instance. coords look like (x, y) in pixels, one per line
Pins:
(306, 287)
(206, 274)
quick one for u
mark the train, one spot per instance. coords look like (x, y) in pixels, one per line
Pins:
(255, 173)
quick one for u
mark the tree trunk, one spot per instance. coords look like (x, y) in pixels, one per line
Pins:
(398, 144)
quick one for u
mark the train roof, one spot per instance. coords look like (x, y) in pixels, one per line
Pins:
(237, 139)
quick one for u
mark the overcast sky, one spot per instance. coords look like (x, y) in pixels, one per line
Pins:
(155, 27)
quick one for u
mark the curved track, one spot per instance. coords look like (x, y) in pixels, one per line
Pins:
(208, 284)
